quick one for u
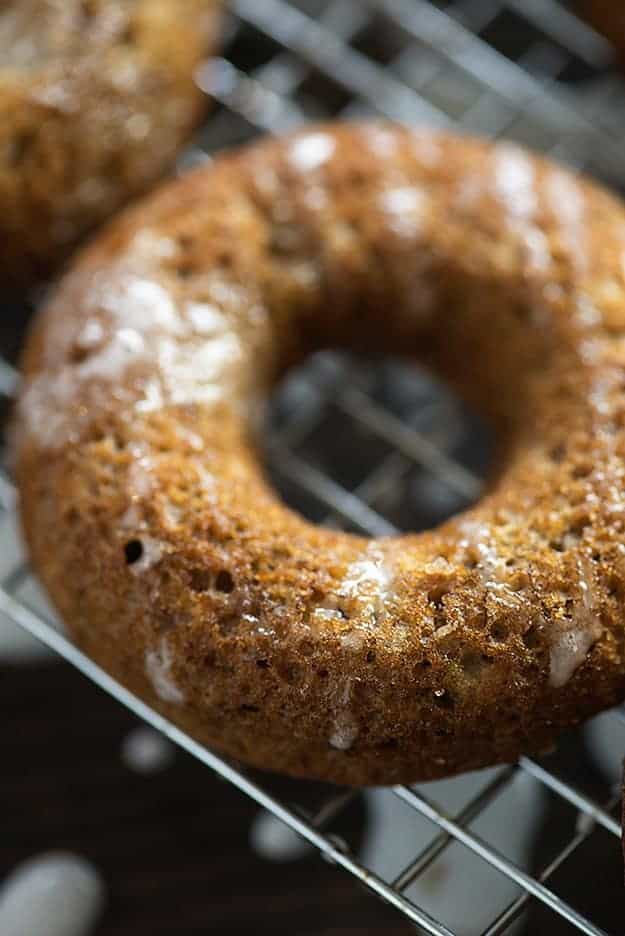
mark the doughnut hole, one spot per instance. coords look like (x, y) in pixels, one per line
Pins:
(348, 451)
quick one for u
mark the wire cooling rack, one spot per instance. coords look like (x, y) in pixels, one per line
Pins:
(529, 70)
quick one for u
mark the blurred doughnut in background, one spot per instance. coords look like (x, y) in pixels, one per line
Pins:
(95, 101)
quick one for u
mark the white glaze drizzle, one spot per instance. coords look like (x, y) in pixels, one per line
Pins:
(515, 187)
(344, 727)
(132, 518)
(135, 302)
(568, 206)
(345, 731)
(180, 354)
(363, 592)
(574, 638)
(515, 181)
(158, 666)
(206, 318)
(368, 579)
(141, 475)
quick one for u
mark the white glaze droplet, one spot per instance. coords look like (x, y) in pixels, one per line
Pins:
(515, 181)
(354, 639)
(573, 639)
(515, 187)
(344, 731)
(141, 476)
(568, 652)
(311, 151)
(112, 361)
(91, 335)
(143, 305)
(54, 894)
(206, 319)
(190, 373)
(363, 591)
(568, 206)
(132, 518)
(369, 578)
(158, 665)
(344, 727)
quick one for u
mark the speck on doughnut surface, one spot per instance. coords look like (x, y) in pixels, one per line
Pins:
(96, 97)
(304, 649)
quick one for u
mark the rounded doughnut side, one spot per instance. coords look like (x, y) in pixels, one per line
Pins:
(291, 646)
(95, 100)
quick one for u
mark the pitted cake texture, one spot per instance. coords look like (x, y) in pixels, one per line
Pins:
(95, 99)
(177, 568)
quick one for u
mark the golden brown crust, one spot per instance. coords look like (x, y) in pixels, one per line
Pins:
(305, 649)
(95, 100)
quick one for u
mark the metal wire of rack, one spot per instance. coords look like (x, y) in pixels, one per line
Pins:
(531, 71)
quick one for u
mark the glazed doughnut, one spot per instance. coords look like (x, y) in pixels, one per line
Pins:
(284, 644)
(95, 98)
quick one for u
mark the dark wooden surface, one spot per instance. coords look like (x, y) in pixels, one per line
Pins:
(172, 846)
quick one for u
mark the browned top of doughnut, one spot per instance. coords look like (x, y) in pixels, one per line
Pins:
(95, 99)
(302, 648)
